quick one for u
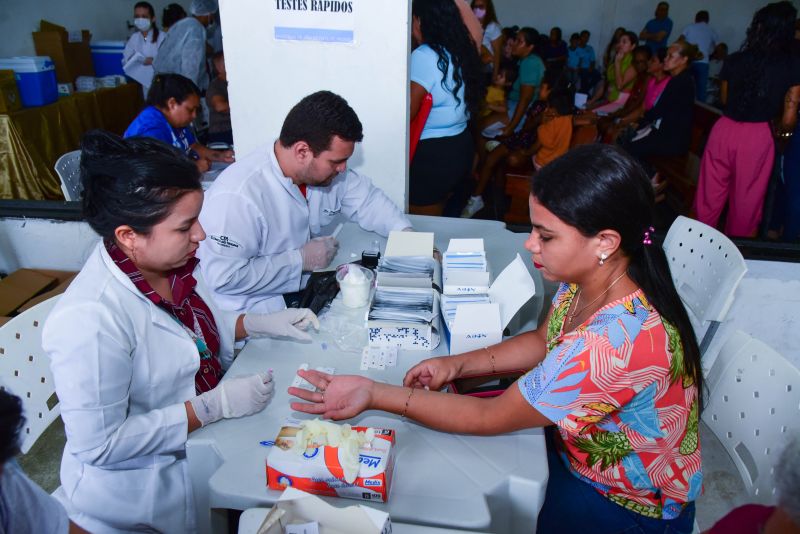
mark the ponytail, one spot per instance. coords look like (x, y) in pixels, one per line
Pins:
(649, 268)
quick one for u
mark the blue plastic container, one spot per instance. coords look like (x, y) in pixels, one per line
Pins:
(107, 57)
(36, 79)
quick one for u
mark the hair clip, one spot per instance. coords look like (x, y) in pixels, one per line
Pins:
(647, 240)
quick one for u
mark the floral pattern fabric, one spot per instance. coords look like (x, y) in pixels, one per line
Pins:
(625, 409)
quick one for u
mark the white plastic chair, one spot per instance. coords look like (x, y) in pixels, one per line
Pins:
(25, 370)
(68, 170)
(706, 268)
(753, 408)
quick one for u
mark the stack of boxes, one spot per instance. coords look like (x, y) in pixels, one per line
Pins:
(61, 57)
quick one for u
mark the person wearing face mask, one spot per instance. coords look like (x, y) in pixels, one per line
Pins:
(184, 49)
(173, 102)
(142, 47)
(492, 44)
(265, 213)
(137, 346)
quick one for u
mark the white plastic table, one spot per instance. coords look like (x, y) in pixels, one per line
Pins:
(442, 480)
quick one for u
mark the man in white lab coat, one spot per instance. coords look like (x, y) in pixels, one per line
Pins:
(184, 49)
(263, 212)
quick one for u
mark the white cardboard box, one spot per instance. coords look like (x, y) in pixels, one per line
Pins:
(479, 325)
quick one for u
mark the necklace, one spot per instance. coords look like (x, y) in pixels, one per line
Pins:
(571, 316)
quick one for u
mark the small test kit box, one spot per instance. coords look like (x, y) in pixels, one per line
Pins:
(480, 324)
(405, 306)
(318, 469)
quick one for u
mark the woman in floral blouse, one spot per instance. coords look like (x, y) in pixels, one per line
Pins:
(614, 373)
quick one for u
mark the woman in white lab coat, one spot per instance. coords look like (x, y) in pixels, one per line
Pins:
(138, 348)
(142, 46)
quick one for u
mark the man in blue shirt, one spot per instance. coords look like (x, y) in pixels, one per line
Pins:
(706, 39)
(657, 30)
(589, 76)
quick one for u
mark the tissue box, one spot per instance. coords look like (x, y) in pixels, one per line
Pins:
(318, 470)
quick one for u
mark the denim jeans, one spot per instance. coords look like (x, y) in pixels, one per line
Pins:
(573, 506)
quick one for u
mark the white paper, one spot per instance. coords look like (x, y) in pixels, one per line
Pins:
(136, 69)
(466, 282)
(493, 130)
(580, 100)
(512, 289)
(302, 528)
(409, 244)
(465, 245)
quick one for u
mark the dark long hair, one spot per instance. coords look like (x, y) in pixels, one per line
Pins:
(597, 187)
(769, 37)
(11, 423)
(170, 85)
(444, 31)
(134, 182)
(149, 7)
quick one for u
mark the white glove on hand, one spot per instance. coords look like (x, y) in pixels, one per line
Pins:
(237, 397)
(290, 322)
(318, 253)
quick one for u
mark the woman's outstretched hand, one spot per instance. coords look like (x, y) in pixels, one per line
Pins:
(338, 397)
(433, 373)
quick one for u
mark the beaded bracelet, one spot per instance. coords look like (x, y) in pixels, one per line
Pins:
(408, 399)
(491, 358)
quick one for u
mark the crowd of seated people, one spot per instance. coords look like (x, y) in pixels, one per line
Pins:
(641, 94)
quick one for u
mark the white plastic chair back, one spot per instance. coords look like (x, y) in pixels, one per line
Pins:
(25, 370)
(706, 268)
(753, 408)
(68, 170)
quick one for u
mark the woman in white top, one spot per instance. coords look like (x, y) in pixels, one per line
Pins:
(492, 45)
(138, 347)
(142, 45)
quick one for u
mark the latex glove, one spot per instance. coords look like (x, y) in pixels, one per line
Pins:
(290, 322)
(237, 397)
(318, 252)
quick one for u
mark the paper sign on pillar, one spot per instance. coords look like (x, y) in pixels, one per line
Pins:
(476, 312)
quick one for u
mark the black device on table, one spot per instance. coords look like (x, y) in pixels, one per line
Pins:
(485, 385)
(321, 289)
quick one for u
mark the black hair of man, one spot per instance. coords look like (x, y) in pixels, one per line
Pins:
(11, 423)
(530, 35)
(702, 16)
(317, 118)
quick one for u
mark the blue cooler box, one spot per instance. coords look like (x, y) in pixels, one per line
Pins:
(107, 57)
(36, 79)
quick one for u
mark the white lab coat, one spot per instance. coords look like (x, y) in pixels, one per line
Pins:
(145, 47)
(184, 52)
(123, 369)
(257, 220)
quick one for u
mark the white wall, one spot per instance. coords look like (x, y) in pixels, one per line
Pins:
(267, 77)
(104, 18)
(601, 17)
